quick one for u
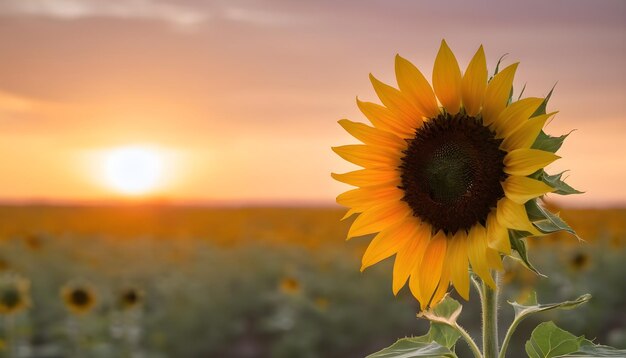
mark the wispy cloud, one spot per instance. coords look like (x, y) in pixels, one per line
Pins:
(126, 9)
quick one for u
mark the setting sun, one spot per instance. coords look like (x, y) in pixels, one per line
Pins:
(133, 170)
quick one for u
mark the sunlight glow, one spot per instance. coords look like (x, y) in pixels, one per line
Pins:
(133, 170)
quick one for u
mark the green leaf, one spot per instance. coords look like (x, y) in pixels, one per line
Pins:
(439, 340)
(548, 340)
(443, 322)
(588, 349)
(546, 221)
(549, 143)
(555, 181)
(522, 311)
(413, 347)
(516, 238)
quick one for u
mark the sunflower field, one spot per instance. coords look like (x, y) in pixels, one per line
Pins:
(159, 281)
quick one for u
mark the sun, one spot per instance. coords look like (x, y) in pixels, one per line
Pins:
(133, 170)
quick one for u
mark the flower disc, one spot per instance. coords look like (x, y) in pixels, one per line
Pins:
(451, 172)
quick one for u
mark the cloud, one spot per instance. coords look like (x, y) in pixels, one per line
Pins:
(123, 9)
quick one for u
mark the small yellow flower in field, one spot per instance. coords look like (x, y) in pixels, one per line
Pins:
(130, 298)
(289, 285)
(79, 298)
(14, 294)
(447, 171)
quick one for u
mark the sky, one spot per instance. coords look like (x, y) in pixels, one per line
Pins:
(241, 97)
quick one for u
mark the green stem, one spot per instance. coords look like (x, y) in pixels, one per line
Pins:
(470, 342)
(489, 301)
(507, 338)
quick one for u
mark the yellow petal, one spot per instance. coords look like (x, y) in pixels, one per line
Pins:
(524, 162)
(410, 256)
(442, 288)
(474, 83)
(526, 134)
(368, 156)
(493, 259)
(413, 84)
(362, 199)
(521, 189)
(515, 115)
(387, 242)
(397, 103)
(497, 235)
(458, 261)
(447, 79)
(497, 94)
(369, 177)
(429, 273)
(513, 216)
(382, 118)
(477, 252)
(373, 136)
(349, 214)
(378, 218)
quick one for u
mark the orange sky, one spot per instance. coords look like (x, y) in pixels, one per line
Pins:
(244, 96)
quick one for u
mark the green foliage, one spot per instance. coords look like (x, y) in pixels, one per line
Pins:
(546, 221)
(516, 237)
(588, 349)
(441, 336)
(548, 340)
(555, 181)
(549, 143)
(442, 322)
(542, 107)
(413, 347)
(521, 311)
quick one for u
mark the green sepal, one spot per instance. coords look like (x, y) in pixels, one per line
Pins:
(516, 238)
(495, 72)
(545, 221)
(548, 341)
(548, 143)
(521, 92)
(542, 107)
(524, 310)
(413, 347)
(555, 181)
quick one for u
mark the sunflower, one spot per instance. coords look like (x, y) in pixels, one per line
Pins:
(447, 171)
(14, 294)
(130, 298)
(79, 298)
(289, 285)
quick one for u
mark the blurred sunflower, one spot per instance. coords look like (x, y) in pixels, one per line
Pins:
(441, 186)
(289, 285)
(579, 261)
(79, 298)
(130, 298)
(14, 294)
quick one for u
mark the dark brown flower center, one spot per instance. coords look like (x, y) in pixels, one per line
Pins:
(80, 297)
(451, 172)
(10, 297)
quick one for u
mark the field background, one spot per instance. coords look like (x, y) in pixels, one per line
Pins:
(265, 282)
